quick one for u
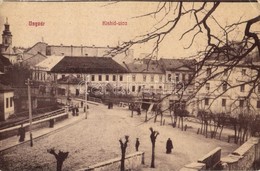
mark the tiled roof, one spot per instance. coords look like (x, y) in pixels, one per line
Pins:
(144, 68)
(49, 63)
(35, 59)
(88, 65)
(174, 64)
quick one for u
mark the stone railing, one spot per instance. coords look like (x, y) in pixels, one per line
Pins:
(243, 157)
(132, 161)
(207, 162)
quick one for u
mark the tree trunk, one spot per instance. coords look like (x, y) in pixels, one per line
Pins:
(123, 161)
(59, 165)
(221, 131)
(153, 151)
(161, 119)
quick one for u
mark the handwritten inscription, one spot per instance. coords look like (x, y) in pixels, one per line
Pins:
(114, 23)
(36, 23)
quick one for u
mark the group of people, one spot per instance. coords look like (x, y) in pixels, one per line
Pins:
(169, 145)
(75, 110)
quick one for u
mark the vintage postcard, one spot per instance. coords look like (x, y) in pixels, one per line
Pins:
(129, 85)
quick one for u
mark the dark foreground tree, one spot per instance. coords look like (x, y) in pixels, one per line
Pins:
(123, 146)
(153, 137)
(60, 157)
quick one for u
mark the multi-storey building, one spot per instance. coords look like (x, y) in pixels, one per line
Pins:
(229, 89)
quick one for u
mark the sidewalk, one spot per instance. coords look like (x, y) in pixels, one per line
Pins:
(13, 141)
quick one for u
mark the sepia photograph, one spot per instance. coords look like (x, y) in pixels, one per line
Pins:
(129, 85)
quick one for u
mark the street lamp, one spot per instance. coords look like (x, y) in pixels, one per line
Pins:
(30, 111)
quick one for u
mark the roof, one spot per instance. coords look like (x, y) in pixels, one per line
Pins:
(49, 63)
(81, 64)
(144, 68)
(4, 62)
(5, 88)
(175, 64)
(35, 59)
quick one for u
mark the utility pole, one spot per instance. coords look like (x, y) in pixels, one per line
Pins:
(30, 111)
(86, 97)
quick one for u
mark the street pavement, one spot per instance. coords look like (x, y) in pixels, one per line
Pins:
(95, 139)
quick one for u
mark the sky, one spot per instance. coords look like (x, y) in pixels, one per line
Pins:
(71, 23)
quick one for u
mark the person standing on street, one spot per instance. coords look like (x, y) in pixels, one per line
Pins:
(137, 143)
(21, 133)
(169, 146)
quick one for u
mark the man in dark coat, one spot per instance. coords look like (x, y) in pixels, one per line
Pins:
(169, 146)
(21, 133)
(137, 143)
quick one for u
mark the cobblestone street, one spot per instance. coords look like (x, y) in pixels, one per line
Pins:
(96, 139)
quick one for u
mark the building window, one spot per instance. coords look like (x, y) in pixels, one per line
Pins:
(151, 87)
(160, 78)
(133, 88)
(224, 101)
(177, 77)
(139, 88)
(114, 77)
(207, 86)
(144, 78)
(107, 77)
(133, 78)
(169, 77)
(208, 71)
(120, 77)
(183, 77)
(206, 101)
(224, 86)
(241, 103)
(160, 87)
(92, 77)
(78, 75)
(99, 77)
(7, 104)
(11, 101)
(55, 77)
(242, 88)
(243, 71)
(152, 78)
(258, 104)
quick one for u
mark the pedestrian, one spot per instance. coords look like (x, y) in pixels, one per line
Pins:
(21, 133)
(77, 110)
(73, 110)
(137, 143)
(138, 111)
(169, 146)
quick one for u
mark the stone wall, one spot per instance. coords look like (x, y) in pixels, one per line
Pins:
(132, 161)
(243, 157)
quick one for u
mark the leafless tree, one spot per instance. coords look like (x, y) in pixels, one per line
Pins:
(153, 137)
(60, 157)
(221, 48)
(123, 146)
